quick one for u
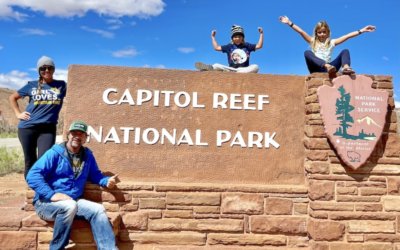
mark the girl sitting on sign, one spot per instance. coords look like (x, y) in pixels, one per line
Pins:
(318, 59)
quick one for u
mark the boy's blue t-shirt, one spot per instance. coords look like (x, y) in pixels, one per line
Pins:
(238, 55)
(45, 106)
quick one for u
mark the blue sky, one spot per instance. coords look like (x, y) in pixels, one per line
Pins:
(174, 34)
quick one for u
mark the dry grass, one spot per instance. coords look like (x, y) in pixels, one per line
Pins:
(11, 161)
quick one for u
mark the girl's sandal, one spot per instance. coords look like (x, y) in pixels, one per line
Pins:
(331, 71)
(348, 71)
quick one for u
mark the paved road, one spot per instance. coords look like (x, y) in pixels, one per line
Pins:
(9, 142)
(14, 142)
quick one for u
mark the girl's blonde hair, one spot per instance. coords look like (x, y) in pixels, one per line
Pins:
(319, 25)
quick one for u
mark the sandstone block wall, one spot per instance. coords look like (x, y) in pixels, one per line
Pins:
(337, 208)
(351, 209)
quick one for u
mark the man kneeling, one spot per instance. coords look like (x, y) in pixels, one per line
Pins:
(58, 179)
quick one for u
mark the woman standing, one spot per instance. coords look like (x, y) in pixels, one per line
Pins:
(37, 126)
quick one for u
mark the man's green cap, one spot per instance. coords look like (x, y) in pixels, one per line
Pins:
(78, 125)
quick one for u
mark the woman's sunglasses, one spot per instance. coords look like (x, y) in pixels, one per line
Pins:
(44, 68)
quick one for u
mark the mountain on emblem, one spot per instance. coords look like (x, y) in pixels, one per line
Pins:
(354, 117)
(369, 121)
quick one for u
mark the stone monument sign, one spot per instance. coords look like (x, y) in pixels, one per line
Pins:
(183, 126)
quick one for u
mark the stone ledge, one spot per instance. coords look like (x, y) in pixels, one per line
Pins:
(148, 188)
(18, 240)
(32, 221)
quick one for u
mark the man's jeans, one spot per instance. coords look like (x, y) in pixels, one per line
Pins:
(63, 214)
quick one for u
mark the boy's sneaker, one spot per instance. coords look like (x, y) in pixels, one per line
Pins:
(203, 67)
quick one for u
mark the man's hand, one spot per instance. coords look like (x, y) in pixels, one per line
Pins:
(112, 181)
(60, 197)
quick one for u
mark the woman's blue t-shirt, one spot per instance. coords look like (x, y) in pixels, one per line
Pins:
(45, 106)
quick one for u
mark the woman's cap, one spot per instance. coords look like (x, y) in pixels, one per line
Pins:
(45, 60)
(78, 125)
(236, 30)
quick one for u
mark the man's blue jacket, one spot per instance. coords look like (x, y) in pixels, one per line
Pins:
(53, 173)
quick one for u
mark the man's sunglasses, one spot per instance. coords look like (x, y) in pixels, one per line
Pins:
(44, 68)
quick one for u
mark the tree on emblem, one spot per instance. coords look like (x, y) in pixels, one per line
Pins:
(343, 109)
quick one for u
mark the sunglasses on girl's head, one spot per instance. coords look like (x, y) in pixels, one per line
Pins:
(44, 68)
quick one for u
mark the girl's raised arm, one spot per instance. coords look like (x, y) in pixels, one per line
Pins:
(342, 39)
(303, 34)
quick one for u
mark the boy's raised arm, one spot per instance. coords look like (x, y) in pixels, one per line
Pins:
(214, 41)
(260, 43)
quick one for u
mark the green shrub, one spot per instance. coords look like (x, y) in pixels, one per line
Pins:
(11, 160)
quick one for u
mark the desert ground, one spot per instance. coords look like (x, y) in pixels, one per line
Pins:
(12, 191)
(12, 197)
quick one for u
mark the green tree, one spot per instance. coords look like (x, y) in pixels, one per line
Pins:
(343, 109)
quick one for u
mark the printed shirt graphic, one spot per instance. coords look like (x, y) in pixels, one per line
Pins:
(323, 52)
(238, 55)
(45, 106)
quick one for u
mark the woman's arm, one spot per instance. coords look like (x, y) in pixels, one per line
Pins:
(14, 97)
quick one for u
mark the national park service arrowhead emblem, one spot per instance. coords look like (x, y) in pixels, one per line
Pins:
(354, 117)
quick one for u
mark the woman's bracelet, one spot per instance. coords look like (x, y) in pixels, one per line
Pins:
(291, 25)
(359, 32)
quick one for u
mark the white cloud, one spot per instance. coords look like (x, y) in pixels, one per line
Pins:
(186, 50)
(35, 32)
(103, 33)
(385, 58)
(14, 79)
(160, 66)
(128, 52)
(1, 47)
(7, 12)
(61, 74)
(71, 8)
(114, 24)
